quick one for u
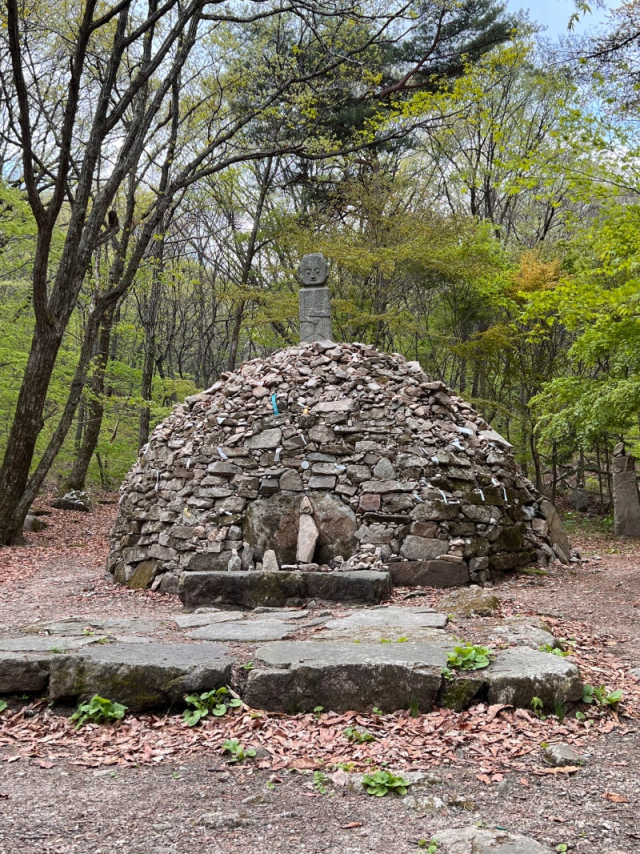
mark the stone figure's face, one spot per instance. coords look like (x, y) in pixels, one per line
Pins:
(313, 270)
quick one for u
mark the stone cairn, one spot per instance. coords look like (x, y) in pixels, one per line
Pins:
(326, 457)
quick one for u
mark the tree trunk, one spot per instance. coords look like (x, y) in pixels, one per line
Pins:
(26, 427)
(94, 406)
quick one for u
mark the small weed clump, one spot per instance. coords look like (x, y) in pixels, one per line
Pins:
(601, 697)
(3, 706)
(211, 702)
(237, 751)
(98, 710)
(320, 781)
(381, 783)
(467, 656)
(358, 736)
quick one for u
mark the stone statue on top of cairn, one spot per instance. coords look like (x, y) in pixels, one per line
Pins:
(315, 299)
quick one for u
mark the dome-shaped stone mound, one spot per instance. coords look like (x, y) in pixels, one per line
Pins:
(328, 456)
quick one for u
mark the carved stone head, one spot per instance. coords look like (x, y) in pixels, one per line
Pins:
(313, 270)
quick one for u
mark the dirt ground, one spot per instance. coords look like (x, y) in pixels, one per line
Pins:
(153, 785)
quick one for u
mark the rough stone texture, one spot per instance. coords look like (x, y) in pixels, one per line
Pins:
(398, 470)
(141, 677)
(522, 631)
(252, 589)
(23, 672)
(243, 631)
(74, 500)
(386, 623)
(340, 677)
(559, 755)
(626, 500)
(470, 602)
(557, 534)
(476, 840)
(519, 674)
(429, 573)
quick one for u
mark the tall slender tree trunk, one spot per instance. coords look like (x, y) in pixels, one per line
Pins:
(94, 406)
(26, 427)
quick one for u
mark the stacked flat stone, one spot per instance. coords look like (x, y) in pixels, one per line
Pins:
(327, 457)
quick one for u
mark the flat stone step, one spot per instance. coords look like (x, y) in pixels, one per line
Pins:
(277, 589)
(300, 675)
(140, 676)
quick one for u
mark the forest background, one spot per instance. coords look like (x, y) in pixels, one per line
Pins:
(164, 166)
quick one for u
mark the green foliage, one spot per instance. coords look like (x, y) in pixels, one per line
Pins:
(357, 735)
(601, 697)
(210, 702)
(431, 845)
(537, 706)
(554, 650)
(237, 751)
(381, 783)
(467, 656)
(320, 781)
(98, 710)
(3, 705)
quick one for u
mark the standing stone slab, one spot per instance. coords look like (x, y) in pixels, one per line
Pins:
(626, 500)
(141, 677)
(345, 676)
(315, 299)
(275, 589)
(428, 573)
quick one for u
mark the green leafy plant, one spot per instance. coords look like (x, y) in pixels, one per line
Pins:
(3, 705)
(211, 702)
(385, 640)
(318, 710)
(554, 650)
(98, 710)
(402, 639)
(600, 696)
(468, 656)
(237, 751)
(562, 848)
(357, 735)
(414, 708)
(381, 783)
(56, 650)
(320, 781)
(248, 665)
(536, 707)
(377, 711)
(431, 845)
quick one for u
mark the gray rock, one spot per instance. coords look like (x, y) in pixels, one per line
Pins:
(519, 674)
(73, 500)
(476, 840)
(421, 548)
(269, 524)
(523, 631)
(580, 500)
(141, 677)
(243, 631)
(470, 601)
(34, 524)
(43, 644)
(559, 755)
(267, 439)
(337, 525)
(342, 676)
(22, 672)
(416, 624)
(307, 539)
(557, 533)
(429, 573)
(626, 499)
(270, 561)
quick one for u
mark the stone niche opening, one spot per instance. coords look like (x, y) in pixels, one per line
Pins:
(328, 458)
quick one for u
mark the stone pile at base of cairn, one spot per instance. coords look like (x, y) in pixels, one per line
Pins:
(329, 458)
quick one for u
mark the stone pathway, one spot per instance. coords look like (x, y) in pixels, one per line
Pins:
(288, 660)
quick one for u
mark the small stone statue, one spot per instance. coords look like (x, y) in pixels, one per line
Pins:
(315, 299)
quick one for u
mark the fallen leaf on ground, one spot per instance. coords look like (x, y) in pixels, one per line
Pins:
(616, 799)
